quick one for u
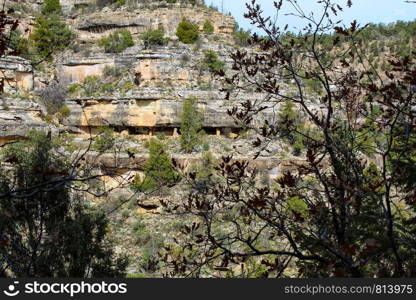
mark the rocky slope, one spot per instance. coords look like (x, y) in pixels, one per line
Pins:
(146, 96)
(139, 93)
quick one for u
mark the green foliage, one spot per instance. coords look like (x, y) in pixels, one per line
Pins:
(105, 140)
(120, 3)
(241, 36)
(73, 88)
(404, 153)
(161, 136)
(90, 86)
(50, 34)
(368, 136)
(112, 80)
(205, 146)
(204, 172)
(211, 62)
(64, 112)
(51, 7)
(297, 206)
(93, 85)
(142, 235)
(191, 126)
(159, 170)
(185, 58)
(208, 27)
(49, 232)
(374, 39)
(187, 32)
(19, 44)
(113, 71)
(314, 85)
(150, 243)
(154, 38)
(117, 41)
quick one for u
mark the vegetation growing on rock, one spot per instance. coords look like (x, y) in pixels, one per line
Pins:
(50, 34)
(241, 36)
(187, 32)
(291, 127)
(211, 62)
(208, 27)
(153, 38)
(309, 144)
(117, 41)
(191, 128)
(105, 140)
(49, 233)
(158, 170)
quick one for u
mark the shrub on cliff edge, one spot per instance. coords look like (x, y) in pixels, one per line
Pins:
(187, 32)
(117, 41)
(153, 38)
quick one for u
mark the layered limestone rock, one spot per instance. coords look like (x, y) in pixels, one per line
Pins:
(17, 73)
(76, 69)
(158, 79)
(138, 113)
(163, 77)
(68, 5)
(102, 23)
(151, 67)
(18, 117)
(137, 163)
(167, 66)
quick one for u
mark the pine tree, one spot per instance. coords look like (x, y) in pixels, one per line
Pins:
(191, 128)
(159, 170)
(50, 33)
(211, 62)
(187, 33)
(50, 7)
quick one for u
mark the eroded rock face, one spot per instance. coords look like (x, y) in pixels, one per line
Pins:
(159, 79)
(164, 81)
(102, 23)
(168, 66)
(18, 117)
(178, 64)
(154, 109)
(75, 69)
(17, 72)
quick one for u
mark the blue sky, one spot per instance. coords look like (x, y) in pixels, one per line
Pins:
(364, 11)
